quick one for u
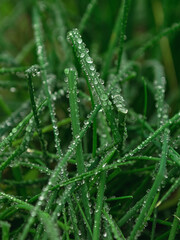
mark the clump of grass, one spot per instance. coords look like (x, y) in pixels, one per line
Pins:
(89, 126)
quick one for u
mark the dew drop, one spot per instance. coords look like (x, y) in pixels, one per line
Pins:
(89, 60)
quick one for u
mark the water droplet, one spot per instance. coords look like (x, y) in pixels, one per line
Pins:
(104, 97)
(66, 71)
(13, 89)
(89, 60)
(79, 40)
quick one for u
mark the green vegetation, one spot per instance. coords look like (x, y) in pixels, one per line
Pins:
(89, 124)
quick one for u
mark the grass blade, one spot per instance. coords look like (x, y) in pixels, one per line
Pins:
(93, 77)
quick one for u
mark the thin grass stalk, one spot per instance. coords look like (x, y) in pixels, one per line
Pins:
(174, 228)
(131, 212)
(87, 14)
(172, 153)
(112, 43)
(174, 28)
(46, 210)
(65, 222)
(5, 107)
(26, 49)
(74, 221)
(35, 113)
(13, 70)
(74, 111)
(156, 185)
(43, 64)
(83, 215)
(154, 225)
(5, 230)
(126, 6)
(174, 186)
(99, 206)
(115, 229)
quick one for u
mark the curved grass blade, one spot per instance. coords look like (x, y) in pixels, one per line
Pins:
(93, 78)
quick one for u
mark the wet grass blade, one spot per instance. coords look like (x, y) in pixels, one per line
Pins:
(126, 6)
(43, 64)
(74, 112)
(35, 112)
(174, 228)
(99, 206)
(93, 78)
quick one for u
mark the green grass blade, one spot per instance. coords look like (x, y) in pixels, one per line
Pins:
(174, 186)
(93, 78)
(175, 27)
(112, 43)
(126, 6)
(43, 64)
(56, 172)
(5, 230)
(173, 232)
(131, 212)
(159, 178)
(52, 232)
(35, 112)
(83, 216)
(87, 15)
(99, 206)
(74, 111)
(115, 229)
